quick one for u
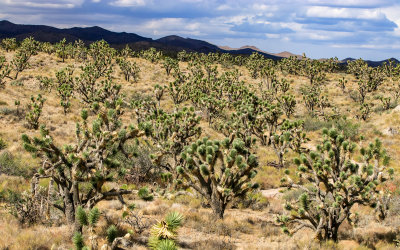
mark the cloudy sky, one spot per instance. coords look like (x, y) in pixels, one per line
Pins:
(320, 28)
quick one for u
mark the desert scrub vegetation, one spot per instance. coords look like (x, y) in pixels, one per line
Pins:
(199, 136)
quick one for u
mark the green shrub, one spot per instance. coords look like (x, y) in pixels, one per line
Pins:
(145, 194)
(3, 144)
(11, 165)
(349, 128)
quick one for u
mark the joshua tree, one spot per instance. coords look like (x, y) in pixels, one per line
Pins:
(35, 111)
(90, 161)
(290, 136)
(365, 111)
(170, 64)
(65, 87)
(288, 104)
(129, 69)
(219, 171)
(93, 90)
(21, 58)
(332, 183)
(171, 132)
(5, 71)
(9, 44)
(61, 49)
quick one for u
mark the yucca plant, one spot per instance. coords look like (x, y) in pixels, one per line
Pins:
(90, 220)
(163, 234)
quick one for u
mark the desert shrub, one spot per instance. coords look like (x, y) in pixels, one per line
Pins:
(255, 201)
(11, 165)
(3, 144)
(314, 124)
(145, 194)
(28, 209)
(5, 111)
(344, 125)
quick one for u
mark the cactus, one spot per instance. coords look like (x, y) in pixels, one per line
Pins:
(219, 170)
(336, 182)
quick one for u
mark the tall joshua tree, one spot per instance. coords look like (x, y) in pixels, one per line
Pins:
(219, 171)
(91, 160)
(337, 183)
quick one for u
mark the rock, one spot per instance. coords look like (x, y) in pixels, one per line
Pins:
(271, 193)
(397, 109)
(390, 131)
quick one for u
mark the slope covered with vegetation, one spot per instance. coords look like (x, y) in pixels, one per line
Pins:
(137, 149)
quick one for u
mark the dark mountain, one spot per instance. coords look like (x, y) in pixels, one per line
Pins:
(371, 63)
(169, 44)
(45, 33)
(192, 44)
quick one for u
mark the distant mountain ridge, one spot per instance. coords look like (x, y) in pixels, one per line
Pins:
(169, 44)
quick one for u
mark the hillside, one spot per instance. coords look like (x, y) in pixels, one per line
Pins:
(151, 139)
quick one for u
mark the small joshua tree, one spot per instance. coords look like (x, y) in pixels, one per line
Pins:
(336, 182)
(163, 234)
(21, 58)
(159, 92)
(386, 104)
(65, 87)
(290, 136)
(219, 171)
(45, 83)
(5, 71)
(342, 83)
(17, 103)
(129, 69)
(61, 49)
(365, 112)
(35, 111)
(288, 104)
(169, 64)
(9, 44)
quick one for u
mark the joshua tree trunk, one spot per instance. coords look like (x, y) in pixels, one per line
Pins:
(217, 205)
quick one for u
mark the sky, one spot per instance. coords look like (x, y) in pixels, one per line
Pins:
(368, 29)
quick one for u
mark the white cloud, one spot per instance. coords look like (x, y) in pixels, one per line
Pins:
(128, 3)
(44, 4)
(355, 13)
